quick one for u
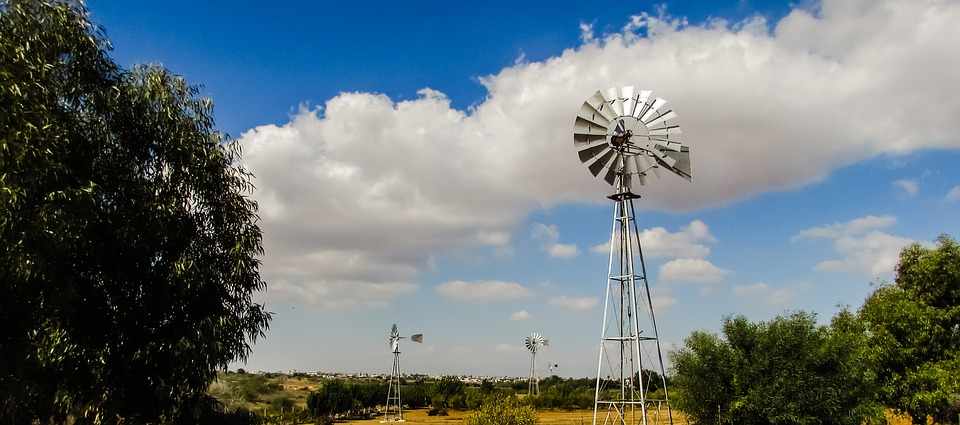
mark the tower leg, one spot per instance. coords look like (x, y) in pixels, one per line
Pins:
(394, 411)
(623, 337)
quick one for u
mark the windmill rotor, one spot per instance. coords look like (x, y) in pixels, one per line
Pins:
(625, 136)
(535, 342)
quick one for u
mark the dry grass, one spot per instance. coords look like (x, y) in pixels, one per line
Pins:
(546, 417)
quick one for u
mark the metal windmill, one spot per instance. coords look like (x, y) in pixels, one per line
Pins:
(534, 343)
(394, 411)
(626, 137)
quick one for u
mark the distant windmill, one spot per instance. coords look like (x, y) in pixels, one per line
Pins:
(394, 411)
(535, 342)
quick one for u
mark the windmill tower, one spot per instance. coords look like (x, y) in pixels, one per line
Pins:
(626, 137)
(534, 343)
(394, 411)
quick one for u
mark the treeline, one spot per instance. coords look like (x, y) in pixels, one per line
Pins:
(338, 398)
(899, 350)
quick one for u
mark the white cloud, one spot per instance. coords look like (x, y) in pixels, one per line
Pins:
(340, 294)
(692, 270)
(658, 242)
(953, 195)
(909, 187)
(586, 32)
(494, 238)
(662, 301)
(482, 291)
(507, 348)
(393, 183)
(549, 235)
(857, 226)
(862, 247)
(761, 291)
(574, 303)
(520, 315)
(874, 254)
(561, 250)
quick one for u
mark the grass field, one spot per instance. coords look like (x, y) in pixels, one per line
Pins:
(546, 417)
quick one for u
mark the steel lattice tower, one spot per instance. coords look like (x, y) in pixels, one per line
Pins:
(623, 396)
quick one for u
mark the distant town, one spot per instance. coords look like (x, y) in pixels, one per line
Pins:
(467, 379)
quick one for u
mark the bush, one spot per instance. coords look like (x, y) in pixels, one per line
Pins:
(503, 411)
(437, 411)
(786, 371)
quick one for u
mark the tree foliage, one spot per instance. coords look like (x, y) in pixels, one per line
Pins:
(129, 249)
(786, 371)
(914, 324)
(503, 410)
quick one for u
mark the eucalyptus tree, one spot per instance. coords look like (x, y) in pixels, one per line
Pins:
(129, 245)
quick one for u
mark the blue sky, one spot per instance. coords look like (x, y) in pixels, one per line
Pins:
(822, 144)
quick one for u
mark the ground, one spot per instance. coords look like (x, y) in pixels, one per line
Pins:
(546, 417)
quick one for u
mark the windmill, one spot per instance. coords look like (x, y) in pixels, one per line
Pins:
(626, 137)
(534, 343)
(394, 411)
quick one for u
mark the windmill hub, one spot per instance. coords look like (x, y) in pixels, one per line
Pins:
(628, 135)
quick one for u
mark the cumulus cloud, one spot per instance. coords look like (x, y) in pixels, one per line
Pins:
(573, 303)
(953, 195)
(691, 270)
(662, 301)
(520, 315)
(549, 235)
(857, 226)
(482, 291)
(761, 291)
(689, 242)
(907, 186)
(862, 247)
(765, 107)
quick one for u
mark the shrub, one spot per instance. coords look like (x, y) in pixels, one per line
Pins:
(503, 411)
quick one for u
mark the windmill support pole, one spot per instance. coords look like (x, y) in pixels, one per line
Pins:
(624, 277)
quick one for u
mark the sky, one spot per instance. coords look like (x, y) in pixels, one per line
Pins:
(414, 165)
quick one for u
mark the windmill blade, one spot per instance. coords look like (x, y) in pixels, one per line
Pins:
(629, 99)
(591, 152)
(599, 164)
(657, 104)
(611, 176)
(589, 114)
(647, 164)
(665, 131)
(394, 331)
(682, 164)
(661, 119)
(585, 126)
(417, 338)
(668, 145)
(612, 97)
(582, 141)
(642, 104)
(599, 104)
(630, 166)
